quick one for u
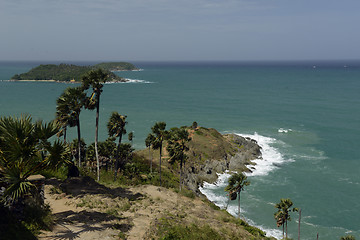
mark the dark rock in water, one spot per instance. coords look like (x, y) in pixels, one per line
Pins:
(276, 165)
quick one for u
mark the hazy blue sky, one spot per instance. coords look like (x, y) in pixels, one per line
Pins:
(179, 29)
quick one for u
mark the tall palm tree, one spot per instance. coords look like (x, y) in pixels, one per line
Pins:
(25, 150)
(68, 109)
(159, 135)
(116, 127)
(237, 182)
(177, 146)
(282, 216)
(148, 142)
(96, 80)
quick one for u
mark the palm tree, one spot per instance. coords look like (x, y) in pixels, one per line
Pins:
(348, 237)
(148, 142)
(63, 119)
(116, 127)
(282, 216)
(159, 135)
(68, 109)
(95, 79)
(177, 147)
(237, 182)
(131, 137)
(25, 150)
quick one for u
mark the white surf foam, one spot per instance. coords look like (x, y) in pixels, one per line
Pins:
(282, 130)
(222, 200)
(136, 70)
(271, 157)
(128, 80)
(136, 81)
(207, 190)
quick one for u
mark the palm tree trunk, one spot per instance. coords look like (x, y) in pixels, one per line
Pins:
(283, 225)
(96, 136)
(117, 158)
(79, 140)
(150, 160)
(286, 228)
(160, 163)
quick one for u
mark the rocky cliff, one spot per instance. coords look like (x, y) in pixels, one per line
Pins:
(211, 153)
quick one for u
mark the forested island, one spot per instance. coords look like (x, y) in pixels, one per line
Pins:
(70, 72)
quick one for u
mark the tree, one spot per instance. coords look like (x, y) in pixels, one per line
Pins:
(177, 147)
(159, 135)
(237, 182)
(348, 237)
(25, 150)
(107, 151)
(74, 147)
(282, 216)
(116, 127)
(148, 142)
(95, 79)
(68, 108)
(131, 137)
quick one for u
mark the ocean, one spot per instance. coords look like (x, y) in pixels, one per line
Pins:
(305, 116)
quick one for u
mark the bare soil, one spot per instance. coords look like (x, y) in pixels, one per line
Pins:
(84, 209)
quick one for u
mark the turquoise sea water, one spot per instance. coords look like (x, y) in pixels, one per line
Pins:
(306, 118)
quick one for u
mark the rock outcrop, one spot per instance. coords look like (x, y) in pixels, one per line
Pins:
(212, 153)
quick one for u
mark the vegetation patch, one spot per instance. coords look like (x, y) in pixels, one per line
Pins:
(67, 72)
(172, 228)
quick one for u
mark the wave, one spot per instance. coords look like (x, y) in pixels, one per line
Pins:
(128, 80)
(282, 130)
(137, 81)
(221, 200)
(207, 190)
(271, 156)
(271, 159)
(136, 70)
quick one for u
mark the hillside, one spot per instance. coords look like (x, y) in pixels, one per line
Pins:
(84, 209)
(67, 72)
(211, 152)
(116, 66)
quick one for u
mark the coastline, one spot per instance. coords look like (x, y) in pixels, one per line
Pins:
(56, 81)
(255, 164)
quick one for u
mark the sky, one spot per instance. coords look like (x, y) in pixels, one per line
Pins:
(179, 30)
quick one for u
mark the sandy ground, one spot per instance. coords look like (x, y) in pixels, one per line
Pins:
(89, 210)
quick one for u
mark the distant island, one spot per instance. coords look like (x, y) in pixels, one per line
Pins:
(72, 73)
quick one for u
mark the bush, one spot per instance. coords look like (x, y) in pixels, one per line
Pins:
(169, 229)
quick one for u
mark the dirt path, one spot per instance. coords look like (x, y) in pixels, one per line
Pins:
(88, 211)
(84, 209)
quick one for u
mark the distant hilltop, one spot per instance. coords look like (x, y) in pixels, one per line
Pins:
(69, 72)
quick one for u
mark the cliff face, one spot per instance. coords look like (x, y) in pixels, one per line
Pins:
(211, 153)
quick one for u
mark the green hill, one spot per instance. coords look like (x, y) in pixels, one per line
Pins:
(67, 72)
(116, 66)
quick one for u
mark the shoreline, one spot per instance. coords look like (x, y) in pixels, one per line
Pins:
(57, 81)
